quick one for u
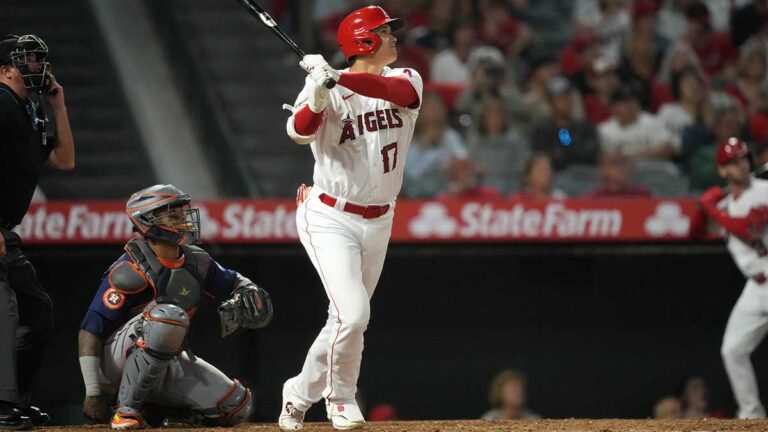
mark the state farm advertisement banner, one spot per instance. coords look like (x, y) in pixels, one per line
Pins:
(273, 221)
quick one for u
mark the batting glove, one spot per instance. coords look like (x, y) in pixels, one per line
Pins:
(310, 61)
(317, 95)
(318, 68)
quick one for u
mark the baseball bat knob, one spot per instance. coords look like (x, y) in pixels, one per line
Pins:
(329, 83)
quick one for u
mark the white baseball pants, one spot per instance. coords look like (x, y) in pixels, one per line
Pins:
(348, 253)
(746, 328)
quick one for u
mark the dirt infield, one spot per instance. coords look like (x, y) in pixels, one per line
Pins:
(569, 425)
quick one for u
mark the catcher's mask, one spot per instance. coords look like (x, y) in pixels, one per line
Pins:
(29, 55)
(163, 212)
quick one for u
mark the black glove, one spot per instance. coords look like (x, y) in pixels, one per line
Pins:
(249, 308)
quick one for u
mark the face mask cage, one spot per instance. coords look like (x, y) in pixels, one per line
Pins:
(29, 58)
(181, 219)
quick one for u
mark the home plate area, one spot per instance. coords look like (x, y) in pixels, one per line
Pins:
(567, 425)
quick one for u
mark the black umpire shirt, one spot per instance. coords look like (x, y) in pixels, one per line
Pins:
(24, 148)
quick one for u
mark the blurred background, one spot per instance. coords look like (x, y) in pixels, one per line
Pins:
(524, 100)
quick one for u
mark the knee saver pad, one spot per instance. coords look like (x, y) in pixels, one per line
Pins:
(236, 405)
(165, 327)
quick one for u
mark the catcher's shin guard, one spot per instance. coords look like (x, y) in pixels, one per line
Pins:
(234, 406)
(164, 328)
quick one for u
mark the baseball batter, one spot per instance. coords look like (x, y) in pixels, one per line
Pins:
(742, 213)
(359, 133)
(134, 336)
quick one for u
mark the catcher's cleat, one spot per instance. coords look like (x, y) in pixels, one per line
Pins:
(12, 418)
(128, 420)
(344, 416)
(36, 415)
(291, 418)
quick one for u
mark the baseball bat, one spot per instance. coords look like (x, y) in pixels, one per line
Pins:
(258, 12)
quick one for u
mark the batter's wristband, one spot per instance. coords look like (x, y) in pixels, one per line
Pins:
(90, 366)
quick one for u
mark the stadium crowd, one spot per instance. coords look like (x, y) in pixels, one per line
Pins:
(633, 104)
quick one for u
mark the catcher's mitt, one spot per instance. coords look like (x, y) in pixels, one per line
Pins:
(249, 308)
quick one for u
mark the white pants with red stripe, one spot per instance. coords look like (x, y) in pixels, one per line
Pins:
(348, 253)
(746, 328)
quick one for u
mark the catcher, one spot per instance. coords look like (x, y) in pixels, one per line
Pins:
(133, 338)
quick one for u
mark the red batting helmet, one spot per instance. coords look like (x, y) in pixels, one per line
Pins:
(731, 149)
(356, 36)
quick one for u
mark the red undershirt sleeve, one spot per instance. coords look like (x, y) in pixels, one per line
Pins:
(397, 90)
(306, 122)
(747, 228)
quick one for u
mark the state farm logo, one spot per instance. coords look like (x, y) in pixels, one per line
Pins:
(433, 220)
(209, 225)
(486, 220)
(668, 220)
(242, 221)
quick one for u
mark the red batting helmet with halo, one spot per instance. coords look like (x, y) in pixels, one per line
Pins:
(356, 36)
(731, 149)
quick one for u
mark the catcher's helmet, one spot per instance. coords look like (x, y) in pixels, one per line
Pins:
(356, 36)
(152, 212)
(28, 54)
(731, 149)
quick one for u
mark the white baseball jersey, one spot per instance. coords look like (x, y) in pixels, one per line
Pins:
(748, 256)
(361, 146)
(748, 322)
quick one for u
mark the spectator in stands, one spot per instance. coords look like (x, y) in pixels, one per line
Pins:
(616, 171)
(761, 159)
(700, 145)
(576, 59)
(667, 408)
(450, 65)
(543, 69)
(466, 180)
(688, 107)
(672, 18)
(638, 134)
(642, 54)
(440, 16)
(749, 87)
(491, 79)
(538, 180)
(695, 398)
(434, 147)
(498, 147)
(603, 80)
(508, 397)
(610, 18)
(678, 57)
(715, 51)
(500, 29)
(748, 20)
(564, 138)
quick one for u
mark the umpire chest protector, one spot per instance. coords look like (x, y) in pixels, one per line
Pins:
(183, 285)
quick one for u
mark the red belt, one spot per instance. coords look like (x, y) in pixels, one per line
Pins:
(367, 212)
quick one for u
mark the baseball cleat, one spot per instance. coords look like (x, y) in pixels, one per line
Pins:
(127, 421)
(12, 418)
(291, 418)
(36, 415)
(344, 416)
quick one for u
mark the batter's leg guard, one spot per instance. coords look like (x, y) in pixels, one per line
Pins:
(164, 328)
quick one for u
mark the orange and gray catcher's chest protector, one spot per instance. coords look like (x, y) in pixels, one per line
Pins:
(184, 285)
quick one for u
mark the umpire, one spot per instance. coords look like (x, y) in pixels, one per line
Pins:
(26, 310)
